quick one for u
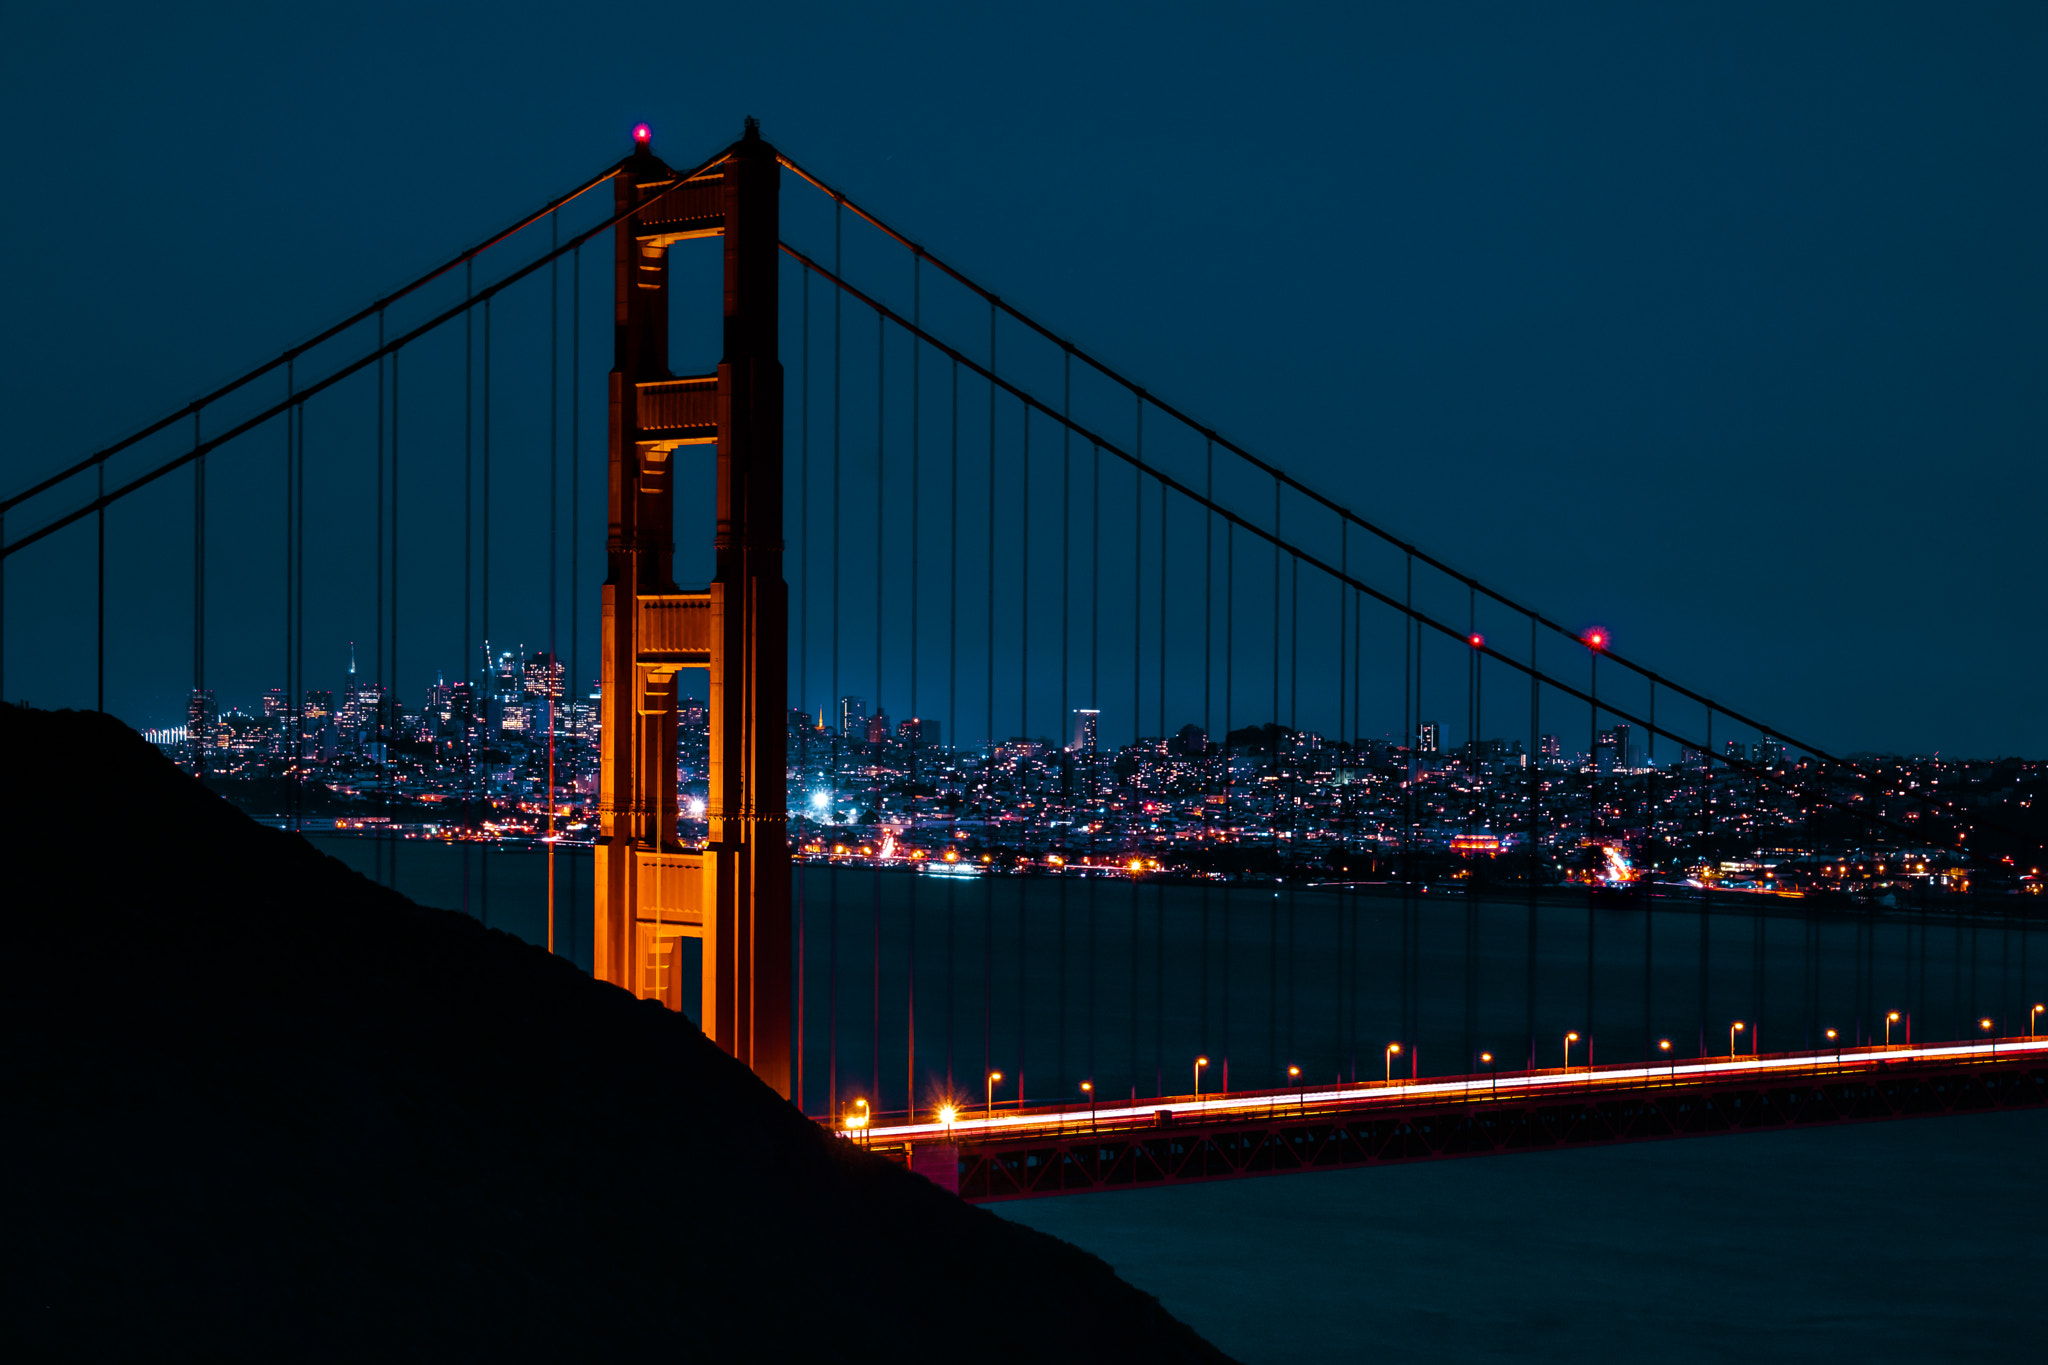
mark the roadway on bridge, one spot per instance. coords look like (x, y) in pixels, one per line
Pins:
(1147, 1113)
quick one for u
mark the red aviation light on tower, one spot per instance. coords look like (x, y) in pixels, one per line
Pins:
(642, 135)
(1476, 640)
(1596, 638)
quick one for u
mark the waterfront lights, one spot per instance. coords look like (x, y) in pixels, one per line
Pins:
(1200, 1062)
(993, 1077)
(1569, 1039)
(1393, 1050)
(1889, 1020)
(1734, 1029)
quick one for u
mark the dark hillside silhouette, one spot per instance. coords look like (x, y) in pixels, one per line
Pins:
(256, 1107)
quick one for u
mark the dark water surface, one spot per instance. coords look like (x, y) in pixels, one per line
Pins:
(1916, 1240)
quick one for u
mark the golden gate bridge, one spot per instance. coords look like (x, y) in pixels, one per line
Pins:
(978, 499)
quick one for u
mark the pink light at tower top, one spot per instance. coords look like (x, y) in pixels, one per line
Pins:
(642, 134)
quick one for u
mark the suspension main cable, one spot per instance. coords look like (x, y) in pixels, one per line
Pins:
(356, 366)
(1415, 614)
(1277, 473)
(291, 353)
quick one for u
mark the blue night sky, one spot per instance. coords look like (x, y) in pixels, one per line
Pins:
(1721, 326)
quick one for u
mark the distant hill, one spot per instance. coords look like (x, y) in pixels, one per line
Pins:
(255, 1107)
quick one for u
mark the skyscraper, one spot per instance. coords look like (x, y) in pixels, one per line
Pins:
(1087, 722)
(1426, 737)
(853, 718)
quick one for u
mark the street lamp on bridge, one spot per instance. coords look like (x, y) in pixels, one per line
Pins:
(1734, 1029)
(1889, 1020)
(1300, 1087)
(1200, 1062)
(1393, 1051)
(993, 1077)
(1486, 1060)
(1985, 1024)
(1088, 1089)
(2032, 1015)
(1569, 1039)
(1835, 1038)
(1664, 1046)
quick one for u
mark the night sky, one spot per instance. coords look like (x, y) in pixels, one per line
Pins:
(1719, 326)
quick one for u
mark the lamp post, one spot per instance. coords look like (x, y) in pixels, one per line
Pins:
(1088, 1089)
(1985, 1024)
(1393, 1051)
(1835, 1038)
(1734, 1029)
(1486, 1060)
(1889, 1020)
(859, 1122)
(1300, 1087)
(1664, 1046)
(1569, 1039)
(993, 1077)
(1200, 1062)
(2032, 1015)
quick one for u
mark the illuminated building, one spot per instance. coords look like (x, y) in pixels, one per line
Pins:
(200, 716)
(853, 717)
(923, 733)
(1087, 723)
(1426, 737)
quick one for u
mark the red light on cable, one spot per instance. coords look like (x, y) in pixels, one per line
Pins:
(1596, 638)
(1476, 640)
(642, 134)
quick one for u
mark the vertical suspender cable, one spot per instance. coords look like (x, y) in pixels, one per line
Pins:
(953, 695)
(988, 771)
(1475, 775)
(881, 473)
(916, 716)
(1065, 716)
(1208, 714)
(469, 720)
(1535, 840)
(1134, 814)
(484, 612)
(553, 569)
(100, 581)
(1229, 696)
(1159, 887)
(1411, 690)
(1593, 821)
(195, 712)
(1092, 768)
(290, 421)
(1273, 830)
(1293, 777)
(391, 699)
(295, 696)
(1023, 713)
(803, 672)
(839, 717)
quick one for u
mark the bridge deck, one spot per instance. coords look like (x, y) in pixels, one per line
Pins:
(1168, 1140)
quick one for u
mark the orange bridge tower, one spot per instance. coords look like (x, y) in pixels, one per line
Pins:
(651, 892)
